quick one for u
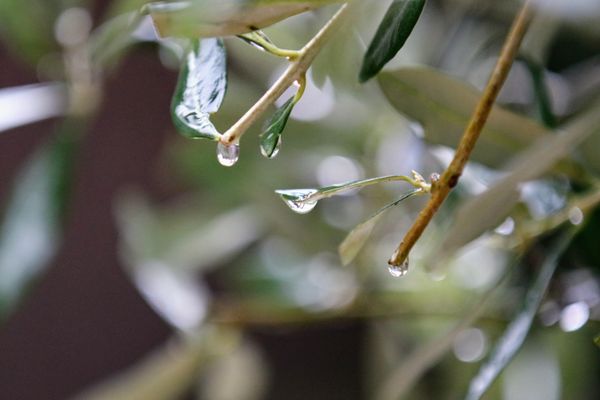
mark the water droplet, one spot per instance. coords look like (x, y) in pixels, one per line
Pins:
(434, 178)
(228, 155)
(301, 207)
(296, 199)
(399, 270)
(575, 216)
(275, 150)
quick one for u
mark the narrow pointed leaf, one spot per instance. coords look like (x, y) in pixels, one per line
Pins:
(356, 239)
(516, 332)
(395, 28)
(201, 88)
(443, 105)
(30, 230)
(314, 195)
(213, 18)
(270, 139)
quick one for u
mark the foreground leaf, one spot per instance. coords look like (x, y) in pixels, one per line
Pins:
(356, 239)
(443, 105)
(304, 200)
(30, 231)
(394, 29)
(201, 88)
(270, 139)
(217, 18)
(516, 332)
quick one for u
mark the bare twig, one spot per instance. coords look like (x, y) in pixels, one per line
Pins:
(450, 177)
(294, 72)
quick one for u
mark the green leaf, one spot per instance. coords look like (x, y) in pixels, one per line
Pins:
(356, 239)
(270, 139)
(30, 232)
(304, 200)
(443, 105)
(395, 28)
(217, 18)
(516, 332)
(201, 88)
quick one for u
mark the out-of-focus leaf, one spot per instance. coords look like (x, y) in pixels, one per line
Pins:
(340, 60)
(402, 379)
(110, 40)
(31, 228)
(27, 26)
(304, 200)
(213, 18)
(490, 208)
(270, 139)
(443, 105)
(168, 372)
(165, 251)
(239, 375)
(356, 239)
(31, 103)
(201, 88)
(516, 332)
(394, 29)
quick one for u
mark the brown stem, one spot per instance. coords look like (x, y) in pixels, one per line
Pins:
(450, 177)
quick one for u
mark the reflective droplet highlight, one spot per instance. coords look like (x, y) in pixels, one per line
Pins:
(398, 271)
(265, 153)
(228, 155)
(301, 207)
(297, 201)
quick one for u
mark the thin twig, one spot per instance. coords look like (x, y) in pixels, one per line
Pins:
(295, 71)
(450, 177)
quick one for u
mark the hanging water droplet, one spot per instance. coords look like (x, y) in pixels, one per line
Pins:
(301, 207)
(265, 153)
(399, 270)
(228, 155)
(297, 201)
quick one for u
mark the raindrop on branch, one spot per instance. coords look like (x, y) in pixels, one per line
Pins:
(228, 155)
(398, 271)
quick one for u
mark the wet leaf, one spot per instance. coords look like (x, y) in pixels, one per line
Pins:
(201, 88)
(513, 337)
(33, 218)
(394, 29)
(490, 208)
(443, 105)
(304, 200)
(270, 139)
(214, 18)
(356, 239)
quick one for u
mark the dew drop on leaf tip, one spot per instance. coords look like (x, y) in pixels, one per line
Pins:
(228, 155)
(398, 271)
(275, 151)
